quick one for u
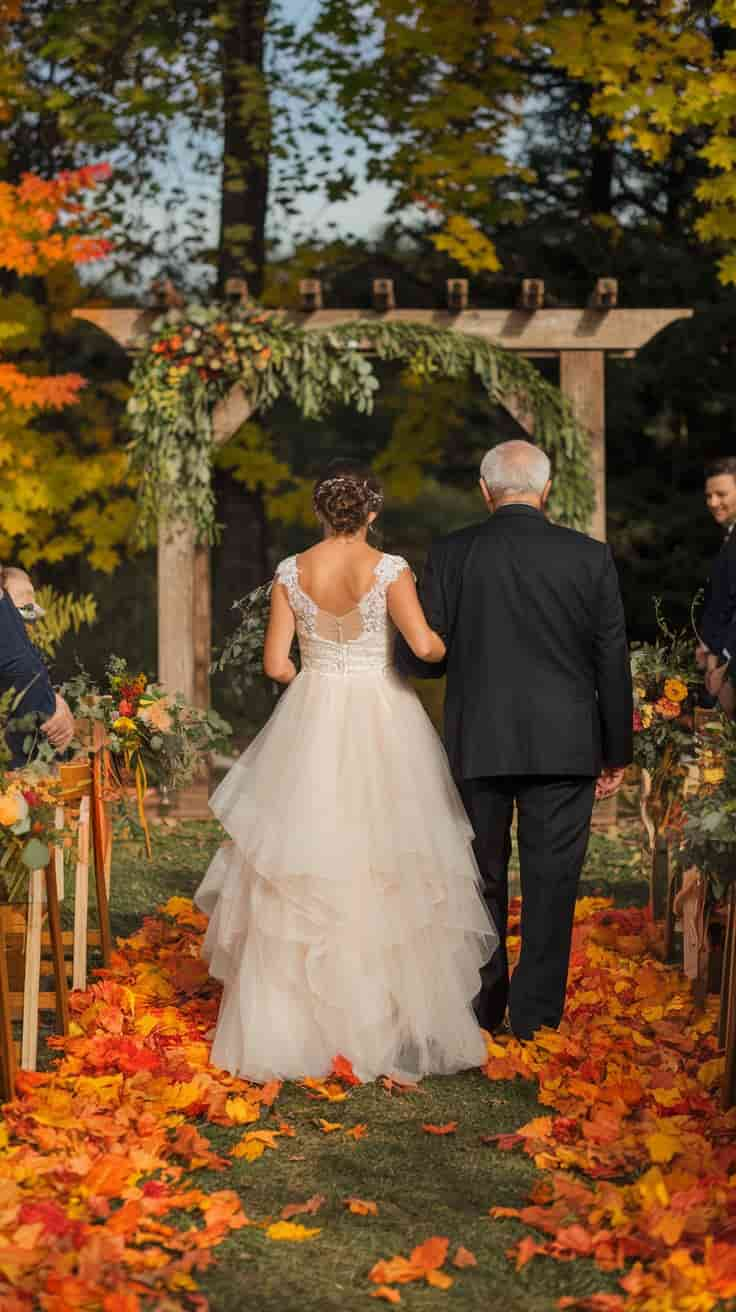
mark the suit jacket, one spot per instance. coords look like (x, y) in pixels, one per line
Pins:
(22, 667)
(719, 606)
(538, 671)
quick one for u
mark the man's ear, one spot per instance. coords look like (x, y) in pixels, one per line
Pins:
(485, 493)
(546, 492)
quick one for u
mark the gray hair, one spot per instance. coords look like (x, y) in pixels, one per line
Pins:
(515, 467)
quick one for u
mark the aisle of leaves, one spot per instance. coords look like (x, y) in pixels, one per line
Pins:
(98, 1157)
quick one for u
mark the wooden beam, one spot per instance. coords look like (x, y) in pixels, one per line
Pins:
(531, 296)
(310, 295)
(202, 625)
(605, 294)
(230, 413)
(176, 556)
(516, 330)
(583, 382)
(518, 407)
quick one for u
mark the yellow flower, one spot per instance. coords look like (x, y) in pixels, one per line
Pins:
(640, 692)
(675, 690)
(714, 775)
(647, 714)
(10, 809)
(124, 725)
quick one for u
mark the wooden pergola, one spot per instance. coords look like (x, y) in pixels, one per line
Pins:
(579, 338)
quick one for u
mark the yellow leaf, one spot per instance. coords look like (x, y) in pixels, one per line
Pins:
(711, 1071)
(663, 1146)
(465, 243)
(327, 1127)
(250, 1151)
(291, 1230)
(241, 1112)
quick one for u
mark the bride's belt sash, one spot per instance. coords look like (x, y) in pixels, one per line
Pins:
(341, 669)
(339, 659)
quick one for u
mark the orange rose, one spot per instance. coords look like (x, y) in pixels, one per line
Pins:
(667, 709)
(10, 809)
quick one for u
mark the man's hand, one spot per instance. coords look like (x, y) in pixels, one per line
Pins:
(608, 783)
(60, 728)
(715, 679)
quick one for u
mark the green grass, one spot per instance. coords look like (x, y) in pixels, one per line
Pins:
(423, 1184)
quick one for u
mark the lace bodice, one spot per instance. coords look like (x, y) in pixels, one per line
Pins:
(361, 640)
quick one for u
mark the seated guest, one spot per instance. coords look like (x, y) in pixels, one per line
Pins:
(719, 608)
(20, 589)
(22, 667)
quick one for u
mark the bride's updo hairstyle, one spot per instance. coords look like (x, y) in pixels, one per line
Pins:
(345, 495)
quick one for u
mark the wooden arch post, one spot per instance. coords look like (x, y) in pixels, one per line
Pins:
(185, 585)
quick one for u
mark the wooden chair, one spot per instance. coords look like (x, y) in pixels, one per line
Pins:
(81, 788)
(42, 889)
(22, 934)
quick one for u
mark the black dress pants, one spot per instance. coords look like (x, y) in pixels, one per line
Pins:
(553, 827)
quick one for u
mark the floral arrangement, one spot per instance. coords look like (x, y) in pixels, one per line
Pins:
(195, 354)
(665, 682)
(708, 834)
(27, 813)
(153, 735)
(242, 652)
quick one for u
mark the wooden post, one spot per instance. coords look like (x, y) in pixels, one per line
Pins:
(81, 897)
(98, 853)
(32, 972)
(8, 1064)
(57, 949)
(176, 555)
(202, 625)
(583, 382)
(227, 417)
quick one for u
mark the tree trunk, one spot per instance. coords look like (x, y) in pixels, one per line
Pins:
(599, 199)
(246, 144)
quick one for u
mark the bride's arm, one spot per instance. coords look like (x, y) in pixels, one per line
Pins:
(407, 614)
(279, 637)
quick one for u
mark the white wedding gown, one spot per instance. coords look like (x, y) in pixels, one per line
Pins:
(345, 912)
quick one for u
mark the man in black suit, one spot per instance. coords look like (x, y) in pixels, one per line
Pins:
(538, 704)
(22, 668)
(718, 616)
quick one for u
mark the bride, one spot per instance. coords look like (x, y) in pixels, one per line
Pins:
(345, 912)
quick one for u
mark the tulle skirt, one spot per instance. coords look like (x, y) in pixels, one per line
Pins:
(345, 912)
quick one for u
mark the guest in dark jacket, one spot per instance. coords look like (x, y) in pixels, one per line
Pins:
(23, 668)
(719, 607)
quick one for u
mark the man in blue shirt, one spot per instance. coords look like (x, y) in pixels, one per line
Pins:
(22, 667)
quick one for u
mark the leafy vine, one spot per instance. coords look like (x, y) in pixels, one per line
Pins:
(192, 357)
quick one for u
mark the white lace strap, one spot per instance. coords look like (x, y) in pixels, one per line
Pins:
(389, 568)
(287, 573)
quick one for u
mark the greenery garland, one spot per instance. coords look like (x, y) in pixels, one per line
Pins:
(193, 356)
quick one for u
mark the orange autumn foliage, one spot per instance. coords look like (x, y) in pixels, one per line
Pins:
(424, 1263)
(41, 227)
(631, 1078)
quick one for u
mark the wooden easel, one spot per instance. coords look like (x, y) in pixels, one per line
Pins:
(83, 786)
(42, 887)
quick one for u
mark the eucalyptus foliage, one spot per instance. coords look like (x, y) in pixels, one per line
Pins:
(192, 357)
(708, 839)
